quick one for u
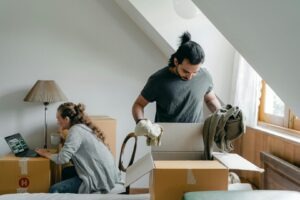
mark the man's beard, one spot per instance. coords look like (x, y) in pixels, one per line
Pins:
(183, 78)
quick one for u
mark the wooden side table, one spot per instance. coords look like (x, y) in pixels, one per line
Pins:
(55, 168)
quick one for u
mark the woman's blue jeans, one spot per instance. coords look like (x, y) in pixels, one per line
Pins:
(70, 185)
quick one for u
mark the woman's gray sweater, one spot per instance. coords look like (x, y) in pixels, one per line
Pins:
(93, 161)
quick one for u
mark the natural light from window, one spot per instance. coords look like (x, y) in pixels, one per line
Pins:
(273, 104)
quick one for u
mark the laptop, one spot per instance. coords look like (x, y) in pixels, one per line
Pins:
(19, 147)
(180, 141)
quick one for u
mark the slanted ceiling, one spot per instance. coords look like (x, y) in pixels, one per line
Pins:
(267, 34)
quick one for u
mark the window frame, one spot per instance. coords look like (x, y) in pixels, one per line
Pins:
(290, 120)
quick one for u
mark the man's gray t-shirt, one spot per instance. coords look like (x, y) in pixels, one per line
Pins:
(177, 100)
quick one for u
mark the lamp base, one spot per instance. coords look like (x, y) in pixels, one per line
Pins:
(45, 130)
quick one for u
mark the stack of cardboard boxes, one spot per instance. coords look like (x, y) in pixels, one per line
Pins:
(108, 125)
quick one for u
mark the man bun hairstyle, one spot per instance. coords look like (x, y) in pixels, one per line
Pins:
(188, 49)
(186, 37)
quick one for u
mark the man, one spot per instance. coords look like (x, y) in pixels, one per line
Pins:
(180, 88)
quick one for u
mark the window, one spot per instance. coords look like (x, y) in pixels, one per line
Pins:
(272, 110)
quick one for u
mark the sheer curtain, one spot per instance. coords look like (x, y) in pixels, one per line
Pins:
(246, 89)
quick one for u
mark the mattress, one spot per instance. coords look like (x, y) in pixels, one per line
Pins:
(60, 196)
(244, 195)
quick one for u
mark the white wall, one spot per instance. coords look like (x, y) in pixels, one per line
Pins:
(266, 33)
(96, 54)
(91, 48)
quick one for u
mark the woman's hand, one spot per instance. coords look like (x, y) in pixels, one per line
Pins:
(43, 152)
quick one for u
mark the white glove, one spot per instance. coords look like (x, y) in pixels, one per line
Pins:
(153, 132)
(146, 128)
(143, 127)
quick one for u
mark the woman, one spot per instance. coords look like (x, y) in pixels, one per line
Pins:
(85, 147)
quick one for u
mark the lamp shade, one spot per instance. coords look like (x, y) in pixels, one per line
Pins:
(45, 91)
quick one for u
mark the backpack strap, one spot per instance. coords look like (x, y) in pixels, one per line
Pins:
(121, 166)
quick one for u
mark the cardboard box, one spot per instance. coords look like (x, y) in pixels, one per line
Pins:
(171, 179)
(108, 125)
(180, 141)
(19, 175)
(178, 167)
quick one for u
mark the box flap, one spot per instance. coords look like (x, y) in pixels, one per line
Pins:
(139, 169)
(234, 161)
(189, 164)
(182, 137)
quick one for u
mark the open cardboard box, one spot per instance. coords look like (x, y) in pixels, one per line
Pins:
(170, 179)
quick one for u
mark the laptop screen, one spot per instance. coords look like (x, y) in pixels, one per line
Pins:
(16, 143)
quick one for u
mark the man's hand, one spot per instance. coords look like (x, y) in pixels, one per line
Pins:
(153, 132)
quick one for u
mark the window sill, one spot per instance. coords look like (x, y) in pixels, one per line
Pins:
(287, 134)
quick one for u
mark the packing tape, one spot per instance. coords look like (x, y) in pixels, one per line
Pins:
(191, 180)
(23, 166)
(22, 190)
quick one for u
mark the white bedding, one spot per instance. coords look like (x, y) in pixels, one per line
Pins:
(60, 196)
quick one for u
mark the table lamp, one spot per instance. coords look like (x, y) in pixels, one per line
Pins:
(45, 91)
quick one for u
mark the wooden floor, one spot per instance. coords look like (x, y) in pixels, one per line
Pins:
(139, 190)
